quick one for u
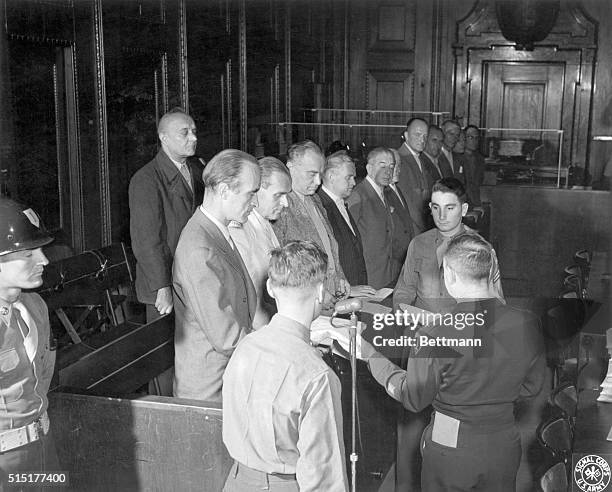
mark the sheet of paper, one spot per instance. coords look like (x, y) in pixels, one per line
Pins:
(379, 295)
(374, 308)
(323, 333)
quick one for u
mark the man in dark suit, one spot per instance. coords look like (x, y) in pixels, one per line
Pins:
(370, 209)
(403, 230)
(432, 156)
(415, 181)
(452, 134)
(338, 182)
(214, 296)
(163, 196)
(474, 165)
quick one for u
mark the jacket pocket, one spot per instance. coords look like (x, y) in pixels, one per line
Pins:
(9, 360)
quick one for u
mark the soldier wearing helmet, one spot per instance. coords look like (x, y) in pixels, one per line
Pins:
(26, 360)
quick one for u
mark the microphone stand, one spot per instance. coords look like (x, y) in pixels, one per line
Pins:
(353, 356)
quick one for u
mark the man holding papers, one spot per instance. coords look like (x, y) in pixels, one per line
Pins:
(471, 371)
(282, 416)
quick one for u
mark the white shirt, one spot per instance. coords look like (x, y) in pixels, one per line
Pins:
(180, 167)
(435, 162)
(416, 156)
(254, 240)
(393, 186)
(378, 189)
(449, 157)
(339, 202)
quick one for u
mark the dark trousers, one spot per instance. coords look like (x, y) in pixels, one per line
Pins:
(410, 427)
(161, 385)
(483, 460)
(36, 457)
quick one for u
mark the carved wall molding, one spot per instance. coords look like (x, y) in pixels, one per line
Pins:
(571, 43)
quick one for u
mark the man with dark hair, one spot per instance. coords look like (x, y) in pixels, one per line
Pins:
(421, 282)
(255, 238)
(403, 225)
(305, 218)
(415, 180)
(214, 295)
(474, 165)
(452, 134)
(472, 370)
(163, 196)
(26, 360)
(338, 183)
(432, 156)
(369, 206)
(282, 415)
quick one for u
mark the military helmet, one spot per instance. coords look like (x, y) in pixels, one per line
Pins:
(20, 228)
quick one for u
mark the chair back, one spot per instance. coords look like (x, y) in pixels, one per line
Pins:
(565, 398)
(555, 479)
(556, 436)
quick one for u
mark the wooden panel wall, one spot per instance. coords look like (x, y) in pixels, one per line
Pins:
(157, 443)
(571, 46)
(133, 59)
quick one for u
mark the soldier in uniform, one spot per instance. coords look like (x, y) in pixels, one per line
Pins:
(26, 360)
(471, 370)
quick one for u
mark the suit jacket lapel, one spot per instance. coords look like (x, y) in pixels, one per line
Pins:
(233, 257)
(176, 183)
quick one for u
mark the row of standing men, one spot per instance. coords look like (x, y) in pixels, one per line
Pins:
(366, 244)
(202, 240)
(206, 276)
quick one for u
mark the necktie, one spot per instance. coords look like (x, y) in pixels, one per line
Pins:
(344, 212)
(441, 249)
(419, 163)
(231, 242)
(397, 193)
(449, 158)
(27, 327)
(185, 172)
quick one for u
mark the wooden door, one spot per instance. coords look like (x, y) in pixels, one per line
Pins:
(523, 95)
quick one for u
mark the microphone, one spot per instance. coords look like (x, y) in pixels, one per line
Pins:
(347, 306)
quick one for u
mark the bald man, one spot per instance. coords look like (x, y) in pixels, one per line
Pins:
(415, 181)
(163, 196)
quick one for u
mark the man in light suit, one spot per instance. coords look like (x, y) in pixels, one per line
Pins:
(256, 238)
(338, 182)
(415, 181)
(370, 209)
(214, 296)
(305, 218)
